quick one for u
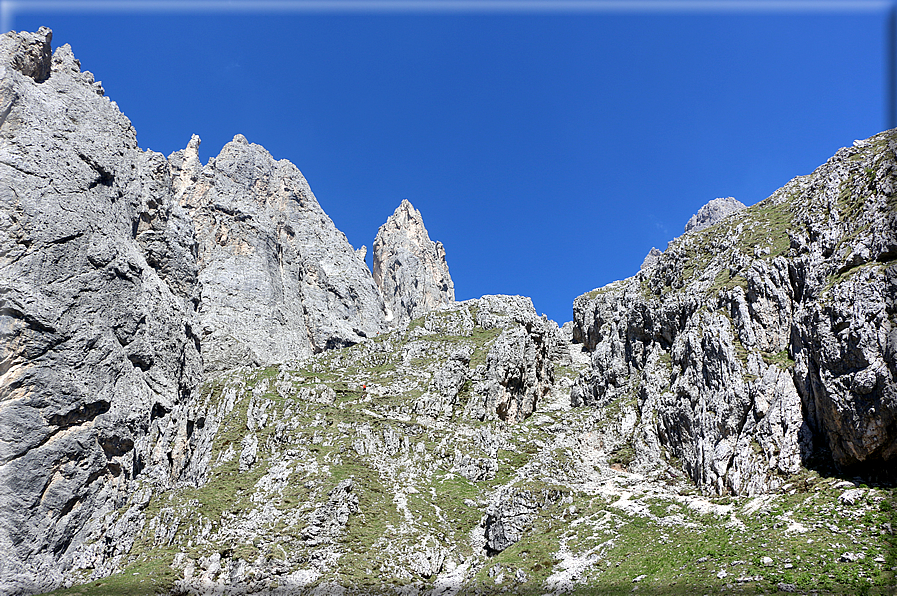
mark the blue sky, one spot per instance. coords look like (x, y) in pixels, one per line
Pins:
(547, 150)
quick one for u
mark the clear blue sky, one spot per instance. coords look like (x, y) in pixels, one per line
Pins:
(548, 151)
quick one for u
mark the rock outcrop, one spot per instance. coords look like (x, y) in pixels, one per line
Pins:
(652, 257)
(279, 280)
(124, 276)
(415, 443)
(498, 368)
(766, 341)
(98, 297)
(519, 367)
(713, 212)
(409, 268)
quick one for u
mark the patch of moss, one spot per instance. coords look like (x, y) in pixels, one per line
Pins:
(148, 576)
(781, 359)
(623, 455)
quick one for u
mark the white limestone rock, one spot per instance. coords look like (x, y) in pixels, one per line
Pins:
(712, 212)
(279, 280)
(652, 257)
(98, 297)
(409, 268)
(519, 368)
(751, 347)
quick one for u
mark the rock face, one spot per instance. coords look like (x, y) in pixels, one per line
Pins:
(652, 257)
(279, 280)
(411, 454)
(713, 212)
(98, 297)
(409, 268)
(766, 341)
(519, 367)
(501, 372)
(121, 272)
(510, 515)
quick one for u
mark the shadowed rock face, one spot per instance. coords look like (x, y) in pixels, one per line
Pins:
(279, 280)
(767, 340)
(98, 297)
(409, 268)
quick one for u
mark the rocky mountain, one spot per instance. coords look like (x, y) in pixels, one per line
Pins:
(380, 468)
(713, 212)
(203, 389)
(409, 268)
(124, 276)
(100, 351)
(761, 343)
(279, 281)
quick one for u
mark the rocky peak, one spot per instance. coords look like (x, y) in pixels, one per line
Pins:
(652, 257)
(409, 268)
(279, 280)
(712, 212)
(29, 53)
(709, 214)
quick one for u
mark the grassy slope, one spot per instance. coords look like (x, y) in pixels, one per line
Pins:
(654, 533)
(604, 531)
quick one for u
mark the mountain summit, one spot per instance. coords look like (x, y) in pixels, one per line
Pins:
(409, 268)
(279, 281)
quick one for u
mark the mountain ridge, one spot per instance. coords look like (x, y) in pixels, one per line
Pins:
(204, 387)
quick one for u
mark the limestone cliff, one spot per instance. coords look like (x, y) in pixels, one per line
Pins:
(279, 281)
(98, 297)
(766, 341)
(409, 268)
(123, 277)
(204, 390)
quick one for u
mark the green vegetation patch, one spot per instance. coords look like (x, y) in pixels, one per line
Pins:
(622, 455)
(767, 225)
(145, 577)
(676, 550)
(726, 281)
(781, 359)
(451, 493)
(850, 201)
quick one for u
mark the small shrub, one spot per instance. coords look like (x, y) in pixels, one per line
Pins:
(623, 455)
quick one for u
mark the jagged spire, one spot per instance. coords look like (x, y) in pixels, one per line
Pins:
(409, 268)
